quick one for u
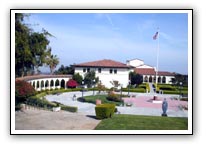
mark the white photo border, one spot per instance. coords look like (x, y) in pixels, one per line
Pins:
(101, 132)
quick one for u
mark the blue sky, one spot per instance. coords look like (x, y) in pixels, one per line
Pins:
(83, 37)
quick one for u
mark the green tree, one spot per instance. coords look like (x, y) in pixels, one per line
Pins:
(89, 77)
(52, 61)
(23, 55)
(136, 79)
(65, 70)
(31, 48)
(179, 78)
(39, 48)
(78, 78)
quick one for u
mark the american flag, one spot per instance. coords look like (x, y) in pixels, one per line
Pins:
(155, 36)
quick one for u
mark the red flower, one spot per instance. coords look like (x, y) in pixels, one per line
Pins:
(23, 89)
(72, 84)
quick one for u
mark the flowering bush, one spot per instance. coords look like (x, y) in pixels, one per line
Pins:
(113, 97)
(72, 84)
(23, 90)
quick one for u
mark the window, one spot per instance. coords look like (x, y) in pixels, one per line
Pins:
(99, 70)
(88, 69)
(110, 71)
(164, 80)
(115, 71)
(84, 70)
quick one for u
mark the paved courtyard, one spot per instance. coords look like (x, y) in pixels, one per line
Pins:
(84, 119)
(141, 104)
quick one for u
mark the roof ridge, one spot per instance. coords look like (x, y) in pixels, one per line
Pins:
(104, 63)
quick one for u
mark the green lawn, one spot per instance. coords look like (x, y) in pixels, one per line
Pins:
(137, 122)
(92, 99)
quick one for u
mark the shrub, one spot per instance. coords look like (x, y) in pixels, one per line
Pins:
(78, 78)
(40, 95)
(142, 90)
(72, 84)
(167, 87)
(23, 90)
(113, 97)
(69, 108)
(104, 111)
(142, 86)
(38, 102)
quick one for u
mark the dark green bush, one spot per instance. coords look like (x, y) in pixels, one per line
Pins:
(104, 111)
(69, 108)
(38, 102)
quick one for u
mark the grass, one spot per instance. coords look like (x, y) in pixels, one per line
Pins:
(138, 122)
(92, 99)
(170, 89)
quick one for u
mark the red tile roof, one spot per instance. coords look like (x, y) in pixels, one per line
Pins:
(103, 63)
(27, 78)
(151, 71)
(145, 71)
(165, 73)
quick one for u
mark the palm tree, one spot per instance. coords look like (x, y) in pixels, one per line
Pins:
(52, 62)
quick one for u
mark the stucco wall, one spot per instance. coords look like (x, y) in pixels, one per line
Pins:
(105, 77)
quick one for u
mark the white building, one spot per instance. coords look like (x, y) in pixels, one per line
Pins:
(149, 72)
(47, 82)
(137, 63)
(110, 70)
(107, 71)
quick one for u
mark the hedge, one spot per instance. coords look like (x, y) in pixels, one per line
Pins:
(62, 90)
(104, 111)
(167, 87)
(40, 95)
(69, 108)
(43, 103)
(174, 92)
(142, 90)
(142, 86)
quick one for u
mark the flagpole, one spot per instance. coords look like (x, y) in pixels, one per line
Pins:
(158, 46)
